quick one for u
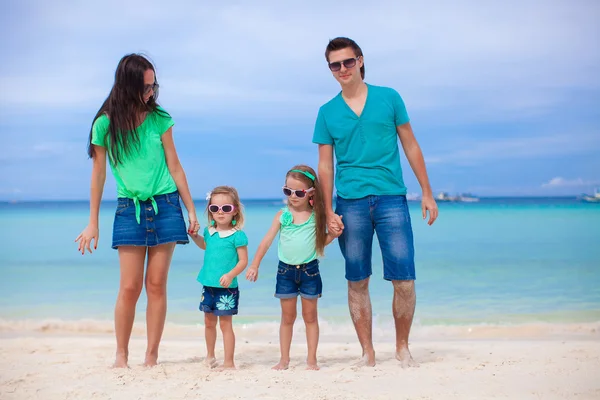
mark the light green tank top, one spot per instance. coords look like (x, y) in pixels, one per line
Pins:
(297, 243)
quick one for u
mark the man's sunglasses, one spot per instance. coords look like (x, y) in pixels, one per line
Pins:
(349, 63)
(299, 193)
(148, 88)
(226, 208)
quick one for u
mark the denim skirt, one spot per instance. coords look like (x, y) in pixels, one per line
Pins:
(163, 225)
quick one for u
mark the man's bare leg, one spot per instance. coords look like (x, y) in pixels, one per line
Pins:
(359, 303)
(403, 308)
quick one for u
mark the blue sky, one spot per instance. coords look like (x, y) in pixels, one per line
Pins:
(503, 97)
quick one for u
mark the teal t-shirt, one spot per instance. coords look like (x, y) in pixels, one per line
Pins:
(143, 173)
(297, 242)
(366, 147)
(221, 255)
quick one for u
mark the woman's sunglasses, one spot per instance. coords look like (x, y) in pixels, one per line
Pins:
(226, 208)
(349, 63)
(299, 193)
(148, 88)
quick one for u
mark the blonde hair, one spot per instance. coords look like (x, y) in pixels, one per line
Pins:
(235, 198)
(317, 205)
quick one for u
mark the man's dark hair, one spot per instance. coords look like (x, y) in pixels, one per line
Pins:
(340, 43)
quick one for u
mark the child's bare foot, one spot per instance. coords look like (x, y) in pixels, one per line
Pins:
(227, 366)
(281, 365)
(120, 361)
(151, 360)
(406, 361)
(210, 362)
(312, 366)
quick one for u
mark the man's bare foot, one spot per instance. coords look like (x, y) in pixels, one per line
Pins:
(367, 360)
(406, 361)
(281, 365)
(120, 361)
(210, 362)
(151, 360)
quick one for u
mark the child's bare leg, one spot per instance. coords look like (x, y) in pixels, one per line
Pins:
(225, 322)
(286, 330)
(309, 314)
(210, 334)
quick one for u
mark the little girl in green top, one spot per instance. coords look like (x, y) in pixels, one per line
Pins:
(226, 257)
(302, 238)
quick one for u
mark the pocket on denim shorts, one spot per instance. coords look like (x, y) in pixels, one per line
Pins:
(122, 207)
(173, 200)
(281, 270)
(312, 272)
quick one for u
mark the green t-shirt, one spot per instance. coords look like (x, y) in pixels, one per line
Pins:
(143, 172)
(297, 243)
(366, 147)
(221, 255)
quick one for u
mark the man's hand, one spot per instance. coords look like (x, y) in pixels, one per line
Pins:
(334, 224)
(428, 204)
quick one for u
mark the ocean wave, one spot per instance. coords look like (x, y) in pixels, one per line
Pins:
(330, 331)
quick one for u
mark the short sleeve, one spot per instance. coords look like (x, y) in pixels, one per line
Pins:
(400, 113)
(99, 130)
(240, 239)
(163, 120)
(206, 235)
(321, 134)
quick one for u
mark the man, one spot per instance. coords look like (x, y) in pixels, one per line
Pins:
(362, 125)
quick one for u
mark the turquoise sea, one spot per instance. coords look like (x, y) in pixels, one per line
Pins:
(499, 261)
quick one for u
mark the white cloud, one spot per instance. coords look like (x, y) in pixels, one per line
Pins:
(473, 152)
(560, 182)
(490, 61)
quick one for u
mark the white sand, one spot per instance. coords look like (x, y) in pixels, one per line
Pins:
(49, 364)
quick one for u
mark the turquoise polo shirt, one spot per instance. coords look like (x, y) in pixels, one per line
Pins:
(366, 147)
(221, 255)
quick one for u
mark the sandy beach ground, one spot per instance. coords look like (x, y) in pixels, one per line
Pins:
(71, 361)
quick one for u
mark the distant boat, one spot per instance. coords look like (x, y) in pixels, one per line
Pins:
(595, 198)
(413, 197)
(464, 198)
(468, 198)
(443, 196)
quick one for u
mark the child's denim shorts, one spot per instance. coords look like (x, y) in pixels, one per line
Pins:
(220, 301)
(304, 280)
(166, 226)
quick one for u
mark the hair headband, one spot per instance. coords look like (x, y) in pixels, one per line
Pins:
(307, 174)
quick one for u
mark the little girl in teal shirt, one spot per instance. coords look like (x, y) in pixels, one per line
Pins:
(226, 257)
(302, 238)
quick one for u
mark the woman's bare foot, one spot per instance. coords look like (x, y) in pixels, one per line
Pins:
(210, 362)
(406, 361)
(151, 360)
(120, 361)
(281, 365)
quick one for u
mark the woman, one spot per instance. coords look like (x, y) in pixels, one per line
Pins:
(136, 135)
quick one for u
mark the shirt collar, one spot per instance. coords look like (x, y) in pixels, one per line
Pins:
(222, 234)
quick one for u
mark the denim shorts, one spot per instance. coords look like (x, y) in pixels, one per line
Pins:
(387, 216)
(220, 301)
(166, 226)
(304, 280)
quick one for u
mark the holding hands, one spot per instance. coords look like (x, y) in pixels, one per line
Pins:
(335, 226)
(252, 273)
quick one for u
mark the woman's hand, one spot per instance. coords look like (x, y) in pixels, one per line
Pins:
(194, 225)
(85, 239)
